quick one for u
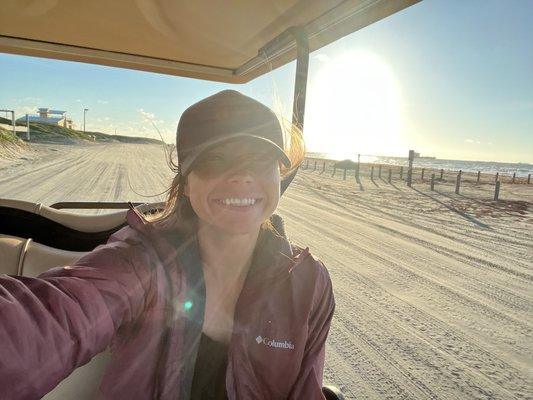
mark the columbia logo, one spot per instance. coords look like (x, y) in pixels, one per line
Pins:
(274, 343)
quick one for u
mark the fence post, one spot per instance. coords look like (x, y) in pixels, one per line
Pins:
(441, 173)
(307, 164)
(423, 169)
(379, 171)
(497, 175)
(401, 173)
(323, 167)
(334, 170)
(27, 127)
(357, 171)
(497, 191)
(410, 170)
(528, 179)
(390, 175)
(344, 175)
(432, 182)
(314, 169)
(372, 173)
(478, 175)
(458, 182)
(514, 177)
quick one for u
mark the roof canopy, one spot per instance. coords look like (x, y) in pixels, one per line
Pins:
(202, 39)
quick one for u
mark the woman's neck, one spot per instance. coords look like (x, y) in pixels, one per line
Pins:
(226, 256)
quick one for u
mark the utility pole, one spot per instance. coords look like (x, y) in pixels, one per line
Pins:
(84, 112)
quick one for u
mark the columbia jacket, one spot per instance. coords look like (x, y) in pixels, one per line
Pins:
(143, 294)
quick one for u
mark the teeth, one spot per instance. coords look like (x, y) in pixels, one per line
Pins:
(239, 202)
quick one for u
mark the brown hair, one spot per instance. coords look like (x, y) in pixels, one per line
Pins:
(178, 212)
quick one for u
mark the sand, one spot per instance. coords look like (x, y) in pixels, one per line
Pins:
(433, 289)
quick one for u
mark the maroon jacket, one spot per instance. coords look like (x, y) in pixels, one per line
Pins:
(143, 293)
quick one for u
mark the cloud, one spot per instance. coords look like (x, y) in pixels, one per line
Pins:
(478, 142)
(146, 115)
(78, 100)
(107, 119)
(102, 102)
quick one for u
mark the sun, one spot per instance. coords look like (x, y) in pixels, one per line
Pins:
(354, 107)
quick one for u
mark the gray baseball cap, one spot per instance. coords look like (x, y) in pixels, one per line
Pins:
(227, 115)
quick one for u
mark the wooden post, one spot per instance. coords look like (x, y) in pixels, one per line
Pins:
(372, 173)
(390, 175)
(27, 127)
(334, 170)
(514, 177)
(497, 176)
(307, 164)
(497, 191)
(478, 176)
(344, 175)
(314, 169)
(401, 173)
(323, 167)
(441, 173)
(528, 179)
(357, 171)
(410, 170)
(432, 182)
(458, 183)
(422, 177)
(379, 171)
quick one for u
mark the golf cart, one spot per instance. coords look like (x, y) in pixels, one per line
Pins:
(204, 40)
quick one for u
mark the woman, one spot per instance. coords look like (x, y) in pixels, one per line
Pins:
(205, 301)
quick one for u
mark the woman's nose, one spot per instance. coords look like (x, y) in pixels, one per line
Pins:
(241, 174)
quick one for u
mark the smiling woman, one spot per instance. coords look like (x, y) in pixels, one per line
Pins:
(354, 107)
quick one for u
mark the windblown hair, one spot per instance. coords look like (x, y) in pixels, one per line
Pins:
(178, 212)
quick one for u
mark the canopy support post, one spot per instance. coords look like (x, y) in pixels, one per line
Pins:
(300, 88)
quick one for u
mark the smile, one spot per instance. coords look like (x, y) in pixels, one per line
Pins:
(238, 202)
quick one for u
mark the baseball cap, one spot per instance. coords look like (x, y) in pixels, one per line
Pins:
(226, 115)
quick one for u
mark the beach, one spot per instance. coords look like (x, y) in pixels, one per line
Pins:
(433, 289)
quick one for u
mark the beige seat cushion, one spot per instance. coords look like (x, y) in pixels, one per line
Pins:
(11, 251)
(27, 258)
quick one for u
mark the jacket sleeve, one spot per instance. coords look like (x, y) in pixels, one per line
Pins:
(309, 382)
(54, 323)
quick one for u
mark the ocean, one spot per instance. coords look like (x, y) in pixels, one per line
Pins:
(488, 167)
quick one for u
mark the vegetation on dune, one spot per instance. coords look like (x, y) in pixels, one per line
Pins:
(45, 132)
(8, 137)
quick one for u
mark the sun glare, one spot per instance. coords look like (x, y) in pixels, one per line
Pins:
(354, 106)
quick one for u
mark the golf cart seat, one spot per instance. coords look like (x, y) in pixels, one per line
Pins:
(61, 229)
(25, 257)
(79, 222)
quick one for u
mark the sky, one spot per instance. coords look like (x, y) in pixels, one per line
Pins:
(448, 78)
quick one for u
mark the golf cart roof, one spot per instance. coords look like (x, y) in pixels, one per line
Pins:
(199, 39)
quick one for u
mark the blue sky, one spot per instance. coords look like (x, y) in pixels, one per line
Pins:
(452, 79)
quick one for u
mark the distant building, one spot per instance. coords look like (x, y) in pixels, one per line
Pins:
(50, 117)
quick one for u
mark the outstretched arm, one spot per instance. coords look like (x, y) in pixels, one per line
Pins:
(52, 324)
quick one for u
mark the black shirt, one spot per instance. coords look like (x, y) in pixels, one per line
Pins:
(209, 380)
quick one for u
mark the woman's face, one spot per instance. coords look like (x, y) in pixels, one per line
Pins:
(235, 187)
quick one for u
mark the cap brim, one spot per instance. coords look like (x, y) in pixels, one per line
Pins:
(192, 156)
